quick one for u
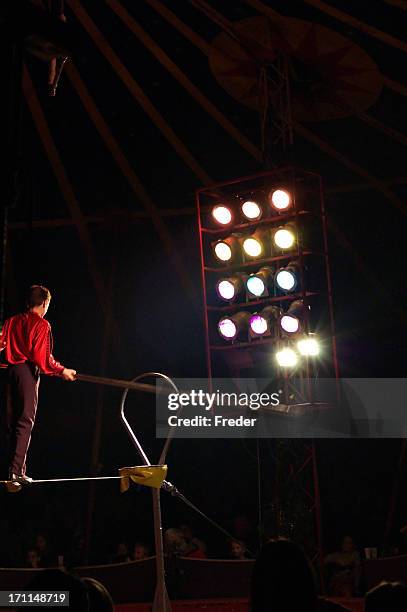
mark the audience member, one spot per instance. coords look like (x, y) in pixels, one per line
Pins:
(192, 540)
(174, 542)
(244, 530)
(122, 553)
(32, 558)
(77, 554)
(237, 550)
(176, 545)
(387, 597)
(343, 569)
(47, 558)
(140, 551)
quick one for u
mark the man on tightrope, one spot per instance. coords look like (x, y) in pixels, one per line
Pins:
(26, 340)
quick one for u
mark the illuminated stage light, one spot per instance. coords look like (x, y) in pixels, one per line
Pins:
(290, 324)
(286, 279)
(308, 346)
(251, 210)
(262, 322)
(258, 324)
(280, 199)
(252, 247)
(256, 284)
(291, 321)
(223, 250)
(286, 358)
(228, 288)
(222, 215)
(284, 237)
(229, 327)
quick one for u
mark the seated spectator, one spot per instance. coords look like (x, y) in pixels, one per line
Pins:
(32, 559)
(45, 553)
(174, 542)
(387, 597)
(176, 545)
(140, 551)
(122, 553)
(192, 551)
(77, 553)
(191, 539)
(244, 530)
(282, 581)
(343, 570)
(99, 597)
(237, 550)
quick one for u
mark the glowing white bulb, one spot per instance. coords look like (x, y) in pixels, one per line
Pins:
(290, 324)
(308, 347)
(286, 358)
(284, 238)
(223, 251)
(255, 285)
(258, 324)
(227, 329)
(251, 210)
(226, 290)
(222, 215)
(286, 280)
(252, 247)
(280, 199)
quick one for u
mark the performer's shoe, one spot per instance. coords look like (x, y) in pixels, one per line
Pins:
(21, 479)
(13, 486)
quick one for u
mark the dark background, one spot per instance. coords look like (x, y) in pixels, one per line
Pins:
(157, 324)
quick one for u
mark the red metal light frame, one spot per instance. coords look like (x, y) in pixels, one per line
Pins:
(274, 175)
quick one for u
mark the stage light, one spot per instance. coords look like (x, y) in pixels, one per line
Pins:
(262, 322)
(308, 346)
(258, 324)
(284, 237)
(286, 358)
(256, 284)
(223, 251)
(291, 321)
(280, 199)
(228, 288)
(290, 324)
(222, 214)
(229, 327)
(252, 247)
(286, 279)
(251, 210)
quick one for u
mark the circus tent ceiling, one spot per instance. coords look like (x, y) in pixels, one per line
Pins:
(159, 99)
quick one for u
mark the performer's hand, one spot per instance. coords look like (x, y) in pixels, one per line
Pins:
(68, 374)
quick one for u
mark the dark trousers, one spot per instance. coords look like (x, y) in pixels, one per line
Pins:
(23, 380)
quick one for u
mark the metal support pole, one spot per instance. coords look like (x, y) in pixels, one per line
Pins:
(161, 600)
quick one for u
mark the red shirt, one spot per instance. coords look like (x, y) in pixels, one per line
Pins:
(196, 554)
(27, 337)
